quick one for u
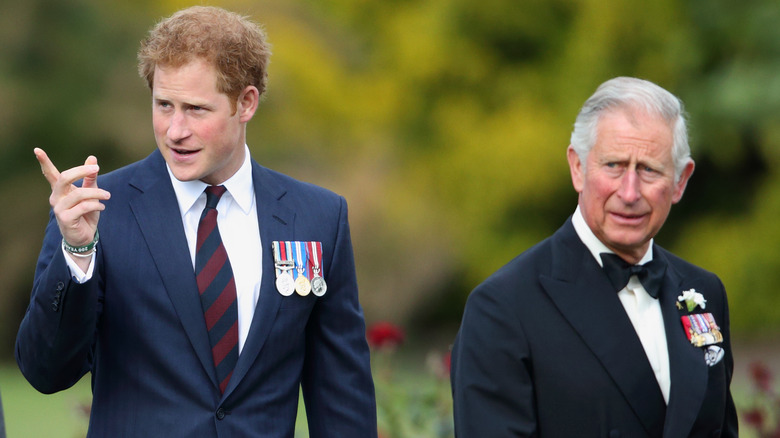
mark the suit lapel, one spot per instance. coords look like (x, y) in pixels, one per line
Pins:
(584, 296)
(276, 223)
(157, 213)
(686, 362)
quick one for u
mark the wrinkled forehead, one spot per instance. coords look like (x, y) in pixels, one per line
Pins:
(630, 132)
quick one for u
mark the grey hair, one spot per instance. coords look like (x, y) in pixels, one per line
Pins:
(632, 93)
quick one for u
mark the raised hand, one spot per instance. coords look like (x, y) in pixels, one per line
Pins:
(77, 209)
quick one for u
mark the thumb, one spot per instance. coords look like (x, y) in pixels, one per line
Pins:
(90, 181)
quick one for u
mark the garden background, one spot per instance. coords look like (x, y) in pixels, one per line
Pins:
(444, 123)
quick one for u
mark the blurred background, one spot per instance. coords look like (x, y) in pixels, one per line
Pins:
(444, 123)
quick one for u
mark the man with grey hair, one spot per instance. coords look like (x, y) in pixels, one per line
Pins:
(597, 331)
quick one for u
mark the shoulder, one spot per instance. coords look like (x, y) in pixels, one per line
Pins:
(684, 268)
(690, 276)
(516, 281)
(550, 257)
(300, 196)
(145, 171)
(292, 186)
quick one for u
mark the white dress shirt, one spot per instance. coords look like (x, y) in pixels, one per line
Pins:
(643, 310)
(238, 227)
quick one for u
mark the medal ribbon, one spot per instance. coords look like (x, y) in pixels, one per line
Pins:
(315, 257)
(300, 259)
(288, 255)
(701, 324)
(279, 256)
(711, 321)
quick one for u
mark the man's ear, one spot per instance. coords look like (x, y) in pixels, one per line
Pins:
(682, 182)
(247, 104)
(576, 169)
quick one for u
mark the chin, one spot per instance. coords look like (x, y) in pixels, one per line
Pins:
(183, 176)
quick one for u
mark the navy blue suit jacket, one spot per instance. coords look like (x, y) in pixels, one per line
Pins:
(138, 327)
(546, 349)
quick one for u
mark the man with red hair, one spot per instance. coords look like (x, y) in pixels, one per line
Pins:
(171, 279)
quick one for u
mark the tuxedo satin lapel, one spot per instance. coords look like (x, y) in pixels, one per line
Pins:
(157, 213)
(582, 293)
(276, 223)
(686, 362)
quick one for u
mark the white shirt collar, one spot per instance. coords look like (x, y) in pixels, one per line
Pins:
(594, 245)
(239, 187)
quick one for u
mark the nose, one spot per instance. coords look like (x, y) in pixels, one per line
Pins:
(629, 187)
(177, 128)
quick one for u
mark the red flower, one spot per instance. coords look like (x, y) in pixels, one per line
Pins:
(384, 334)
(755, 418)
(447, 362)
(762, 376)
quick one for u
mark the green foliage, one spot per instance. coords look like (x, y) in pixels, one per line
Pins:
(443, 122)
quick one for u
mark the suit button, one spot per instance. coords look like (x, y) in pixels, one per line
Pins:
(55, 306)
(220, 413)
(60, 286)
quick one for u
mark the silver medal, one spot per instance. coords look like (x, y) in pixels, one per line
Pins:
(318, 285)
(285, 284)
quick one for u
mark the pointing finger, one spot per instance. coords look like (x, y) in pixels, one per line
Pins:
(48, 169)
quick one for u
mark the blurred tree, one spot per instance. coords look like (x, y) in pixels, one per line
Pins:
(443, 122)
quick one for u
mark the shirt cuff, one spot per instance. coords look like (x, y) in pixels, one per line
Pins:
(78, 275)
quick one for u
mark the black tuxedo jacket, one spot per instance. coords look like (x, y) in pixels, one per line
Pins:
(546, 349)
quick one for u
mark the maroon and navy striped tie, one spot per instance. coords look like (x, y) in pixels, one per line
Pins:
(217, 289)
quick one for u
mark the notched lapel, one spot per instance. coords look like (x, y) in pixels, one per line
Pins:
(168, 246)
(277, 222)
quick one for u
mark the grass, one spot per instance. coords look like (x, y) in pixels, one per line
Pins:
(29, 413)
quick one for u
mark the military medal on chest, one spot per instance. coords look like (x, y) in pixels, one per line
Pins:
(284, 266)
(318, 285)
(302, 284)
(701, 329)
(298, 266)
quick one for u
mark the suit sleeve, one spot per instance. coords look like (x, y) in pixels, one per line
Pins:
(55, 341)
(337, 385)
(491, 374)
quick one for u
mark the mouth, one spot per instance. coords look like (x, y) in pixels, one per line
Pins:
(628, 218)
(182, 153)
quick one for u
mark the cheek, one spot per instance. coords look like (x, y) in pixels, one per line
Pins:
(212, 132)
(659, 197)
(160, 124)
(600, 189)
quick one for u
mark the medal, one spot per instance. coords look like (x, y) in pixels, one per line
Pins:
(302, 284)
(284, 280)
(318, 285)
(285, 284)
(701, 329)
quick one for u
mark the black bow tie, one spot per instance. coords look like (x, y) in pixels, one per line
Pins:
(651, 274)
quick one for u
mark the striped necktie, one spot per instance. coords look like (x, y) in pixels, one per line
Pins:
(217, 289)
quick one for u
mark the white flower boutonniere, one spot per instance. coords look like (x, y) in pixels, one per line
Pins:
(692, 299)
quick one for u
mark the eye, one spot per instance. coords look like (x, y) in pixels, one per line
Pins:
(647, 169)
(197, 108)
